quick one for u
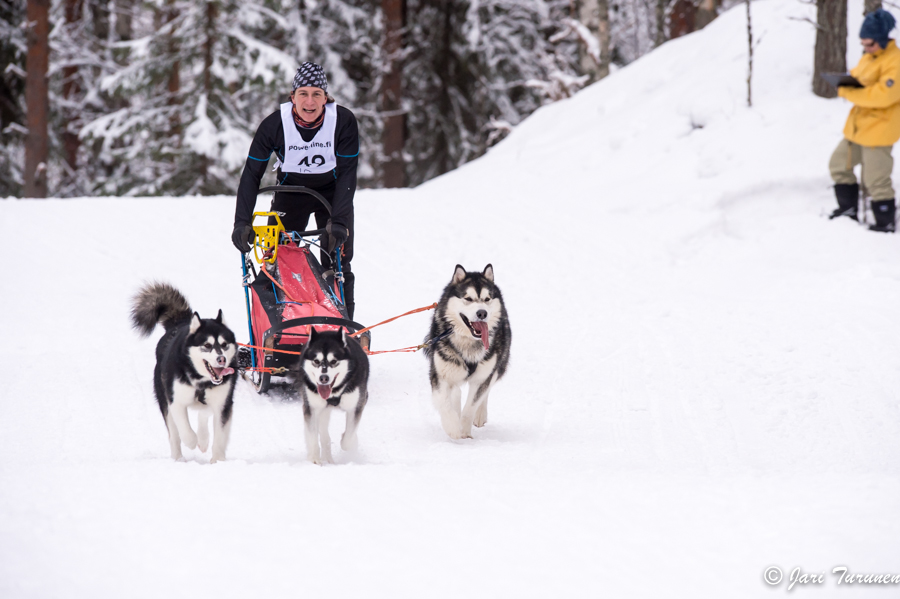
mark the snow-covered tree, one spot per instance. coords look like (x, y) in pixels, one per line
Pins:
(163, 96)
(200, 79)
(475, 70)
(86, 47)
(12, 96)
(176, 133)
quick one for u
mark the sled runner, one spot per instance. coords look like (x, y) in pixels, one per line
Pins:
(288, 295)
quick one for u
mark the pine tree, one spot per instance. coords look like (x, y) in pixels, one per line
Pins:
(344, 36)
(475, 71)
(201, 78)
(181, 130)
(163, 97)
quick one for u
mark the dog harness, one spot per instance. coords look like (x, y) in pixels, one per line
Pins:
(314, 157)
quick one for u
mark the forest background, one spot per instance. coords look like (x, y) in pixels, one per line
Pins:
(162, 97)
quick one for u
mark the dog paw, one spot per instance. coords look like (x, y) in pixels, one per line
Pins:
(217, 458)
(479, 421)
(452, 427)
(465, 428)
(349, 443)
(190, 441)
(202, 445)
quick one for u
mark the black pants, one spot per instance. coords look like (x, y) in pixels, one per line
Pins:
(297, 209)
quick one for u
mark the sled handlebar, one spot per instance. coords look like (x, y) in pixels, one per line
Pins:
(297, 189)
(308, 233)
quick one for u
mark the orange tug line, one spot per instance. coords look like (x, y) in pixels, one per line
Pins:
(410, 349)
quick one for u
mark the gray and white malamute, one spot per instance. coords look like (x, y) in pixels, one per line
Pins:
(195, 368)
(472, 346)
(334, 373)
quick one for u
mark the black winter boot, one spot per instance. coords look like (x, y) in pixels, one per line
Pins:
(884, 211)
(847, 199)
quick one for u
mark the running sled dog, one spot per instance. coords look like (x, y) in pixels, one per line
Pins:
(469, 343)
(195, 368)
(334, 373)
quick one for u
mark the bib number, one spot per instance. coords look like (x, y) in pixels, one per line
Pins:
(317, 160)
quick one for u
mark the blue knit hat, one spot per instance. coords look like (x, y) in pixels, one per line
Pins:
(876, 26)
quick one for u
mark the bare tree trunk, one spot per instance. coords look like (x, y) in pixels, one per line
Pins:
(871, 6)
(749, 56)
(686, 16)
(594, 15)
(174, 85)
(587, 14)
(393, 133)
(706, 12)
(100, 16)
(660, 22)
(123, 19)
(71, 143)
(37, 144)
(212, 11)
(124, 29)
(831, 44)
(603, 36)
(682, 19)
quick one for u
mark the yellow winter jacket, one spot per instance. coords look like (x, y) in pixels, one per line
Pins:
(874, 119)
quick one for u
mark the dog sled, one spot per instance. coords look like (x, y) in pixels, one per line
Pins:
(287, 292)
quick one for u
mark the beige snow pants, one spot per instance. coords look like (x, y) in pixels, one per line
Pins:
(877, 165)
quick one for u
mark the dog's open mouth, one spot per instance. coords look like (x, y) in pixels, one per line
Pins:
(479, 330)
(217, 375)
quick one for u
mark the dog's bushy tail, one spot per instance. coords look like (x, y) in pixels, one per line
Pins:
(158, 302)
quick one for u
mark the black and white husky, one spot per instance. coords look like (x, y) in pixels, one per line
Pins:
(469, 343)
(195, 368)
(334, 373)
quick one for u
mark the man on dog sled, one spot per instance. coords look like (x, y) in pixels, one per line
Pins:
(317, 146)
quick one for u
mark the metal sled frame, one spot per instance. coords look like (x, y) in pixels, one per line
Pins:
(265, 364)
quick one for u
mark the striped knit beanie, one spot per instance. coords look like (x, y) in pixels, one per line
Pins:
(310, 75)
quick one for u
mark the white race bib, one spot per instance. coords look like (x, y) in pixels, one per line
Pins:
(315, 156)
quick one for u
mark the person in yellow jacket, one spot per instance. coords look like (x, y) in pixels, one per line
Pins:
(873, 126)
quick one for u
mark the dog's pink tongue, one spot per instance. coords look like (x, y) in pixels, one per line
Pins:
(324, 391)
(220, 372)
(482, 328)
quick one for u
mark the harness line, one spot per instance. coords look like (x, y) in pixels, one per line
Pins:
(422, 309)
(410, 349)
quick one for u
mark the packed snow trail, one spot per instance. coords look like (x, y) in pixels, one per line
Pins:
(703, 383)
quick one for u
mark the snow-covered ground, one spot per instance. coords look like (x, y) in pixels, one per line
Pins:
(704, 381)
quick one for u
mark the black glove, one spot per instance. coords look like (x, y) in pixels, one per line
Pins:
(242, 237)
(337, 235)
